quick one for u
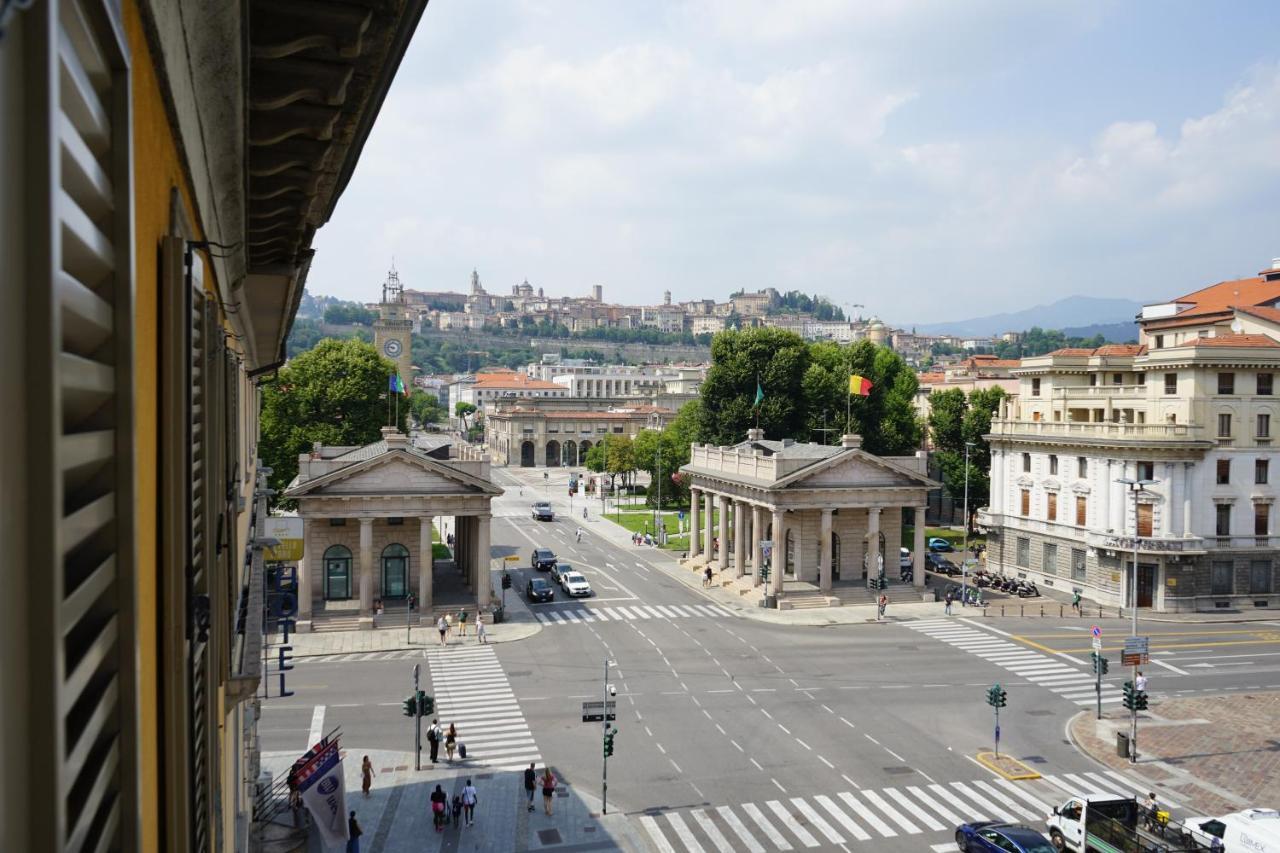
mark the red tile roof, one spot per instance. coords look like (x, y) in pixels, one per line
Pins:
(515, 380)
(931, 378)
(1072, 351)
(1120, 349)
(1244, 341)
(1218, 300)
(1269, 314)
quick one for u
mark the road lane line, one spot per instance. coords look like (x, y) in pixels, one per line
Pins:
(722, 844)
(753, 812)
(871, 818)
(982, 801)
(739, 829)
(915, 810)
(895, 815)
(317, 726)
(943, 812)
(790, 822)
(655, 834)
(842, 818)
(817, 820)
(682, 831)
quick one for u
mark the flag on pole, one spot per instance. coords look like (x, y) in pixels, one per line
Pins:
(759, 393)
(859, 385)
(320, 782)
(396, 385)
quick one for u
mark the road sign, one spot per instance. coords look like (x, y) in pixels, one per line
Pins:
(1136, 651)
(594, 712)
(1096, 631)
(511, 558)
(1097, 644)
(680, 515)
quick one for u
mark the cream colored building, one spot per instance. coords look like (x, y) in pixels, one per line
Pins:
(532, 435)
(368, 514)
(1197, 414)
(832, 515)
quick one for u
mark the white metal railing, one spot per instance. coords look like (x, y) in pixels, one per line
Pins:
(755, 464)
(1146, 544)
(1091, 429)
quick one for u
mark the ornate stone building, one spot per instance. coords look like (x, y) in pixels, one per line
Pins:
(392, 329)
(368, 514)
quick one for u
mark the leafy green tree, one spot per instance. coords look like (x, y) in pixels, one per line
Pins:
(463, 410)
(947, 410)
(774, 358)
(426, 408)
(886, 417)
(335, 394)
(660, 454)
(958, 423)
(349, 313)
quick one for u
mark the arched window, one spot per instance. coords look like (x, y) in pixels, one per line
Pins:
(395, 571)
(337, 573)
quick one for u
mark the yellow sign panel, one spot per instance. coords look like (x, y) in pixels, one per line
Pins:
(287, 529)
(1171, 582)
(511, 558)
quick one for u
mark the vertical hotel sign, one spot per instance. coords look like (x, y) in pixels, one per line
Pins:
(323, 792)
(288, 530)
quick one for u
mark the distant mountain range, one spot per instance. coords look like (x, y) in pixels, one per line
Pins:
(1077, 316)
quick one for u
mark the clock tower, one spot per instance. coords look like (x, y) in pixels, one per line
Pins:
(392, 328)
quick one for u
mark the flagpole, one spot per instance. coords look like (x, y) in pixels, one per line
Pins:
(848, 400)
(389, 383)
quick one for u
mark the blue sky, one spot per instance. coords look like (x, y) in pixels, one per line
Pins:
(929, 160)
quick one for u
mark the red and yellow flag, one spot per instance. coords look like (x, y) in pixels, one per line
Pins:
(859, 385)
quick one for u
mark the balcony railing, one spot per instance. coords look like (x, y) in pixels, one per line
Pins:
(1098, 392)
(1092, 429)
(746, 464)
(1146, 544)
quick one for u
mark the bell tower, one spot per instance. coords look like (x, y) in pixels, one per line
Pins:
(391, 331)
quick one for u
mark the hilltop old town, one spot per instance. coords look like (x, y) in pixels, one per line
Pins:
(914, 495)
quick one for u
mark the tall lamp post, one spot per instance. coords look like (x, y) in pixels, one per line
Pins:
(1135, 487)
(964, 559)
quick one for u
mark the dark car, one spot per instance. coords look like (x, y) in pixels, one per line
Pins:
(543, 559)
(539, 590)
(542, 512)
(935, 562)
(1001, 838)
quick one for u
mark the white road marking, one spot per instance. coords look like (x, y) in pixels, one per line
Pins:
(317, 726)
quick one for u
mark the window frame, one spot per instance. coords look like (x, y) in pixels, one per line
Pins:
(1222, 520)
(1171, 384)
(1226, 383)
(1222, 472)
(1221, 577)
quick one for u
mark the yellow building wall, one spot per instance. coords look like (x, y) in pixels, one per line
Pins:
(157, 169)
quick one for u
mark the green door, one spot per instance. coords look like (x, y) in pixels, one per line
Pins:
(395, 571)
(337, 573)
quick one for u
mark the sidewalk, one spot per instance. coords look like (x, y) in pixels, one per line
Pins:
(518, 624)
(1214, 755)
(396, 817)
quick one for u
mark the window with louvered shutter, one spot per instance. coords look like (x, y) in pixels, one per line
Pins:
(79, 444)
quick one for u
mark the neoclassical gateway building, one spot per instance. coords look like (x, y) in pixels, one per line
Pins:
(830, 515)
(368, 516)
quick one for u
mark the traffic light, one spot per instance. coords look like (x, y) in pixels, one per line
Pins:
(996, 696)
(1130, 696)
(608, 741)
(881, 583)
(1100, 664)
(1140, 700)
(506, 580)
(426, 704)
(410, 706)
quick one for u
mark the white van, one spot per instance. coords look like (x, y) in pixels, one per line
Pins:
(1249, 831)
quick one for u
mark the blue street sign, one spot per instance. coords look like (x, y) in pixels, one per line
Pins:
(680, 515)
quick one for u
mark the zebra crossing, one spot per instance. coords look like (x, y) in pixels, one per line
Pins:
(472, 692)
(395, 654)
(1048, 671)
(631, 613)
(871, 815)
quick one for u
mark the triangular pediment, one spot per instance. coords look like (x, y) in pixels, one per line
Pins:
(395, 472)
(856, 469)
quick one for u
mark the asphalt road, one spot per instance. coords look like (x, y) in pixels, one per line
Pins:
(736, 734)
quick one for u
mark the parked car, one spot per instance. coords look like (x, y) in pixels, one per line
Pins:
(542, 511)
(935, 562)
(937, 543)
(575, 585)
(543, 559)
(1001, 838)
(904, 558)
(539, 590)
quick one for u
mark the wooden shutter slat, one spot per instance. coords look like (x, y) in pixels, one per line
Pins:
(77, 604)
(95, 727)
(79, 100)
(94, 654)
(89, 519)
(93, 799)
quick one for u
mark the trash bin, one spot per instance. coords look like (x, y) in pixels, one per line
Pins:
(770, 602)
(1122, 744)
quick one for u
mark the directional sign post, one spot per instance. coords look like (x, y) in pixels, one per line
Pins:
(595, 712)
(1136, 651)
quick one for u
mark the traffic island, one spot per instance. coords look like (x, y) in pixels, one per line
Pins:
(1007, 766)
(1214, 755)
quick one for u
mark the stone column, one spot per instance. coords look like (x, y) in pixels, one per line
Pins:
(482, 560)
(1186, 499)
(824, 553)
(303, 622)
(366, 573)
(996, 500)
(917, 553)
(1100, 494)
(739, 540)
(695, 534)
(873, 542)
(425, 579)
(1116, 472)
(778, 564)
(708, 530)
(1166, 506)
(722, 553)
(757, 535)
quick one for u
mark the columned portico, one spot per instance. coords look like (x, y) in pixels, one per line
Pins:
(821, 507)
(368, 518)
(917, 550)
(695, 531)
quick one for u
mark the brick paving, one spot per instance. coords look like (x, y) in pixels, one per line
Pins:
(1213, 754)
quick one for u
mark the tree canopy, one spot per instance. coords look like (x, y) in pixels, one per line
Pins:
(806, 386)
(349, 313)
(335, 394)
(955, 421)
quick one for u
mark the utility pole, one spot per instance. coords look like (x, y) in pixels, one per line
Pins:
(657, 475)
(606, 744)
(1135, 486)
(417, 723)
(964, 560)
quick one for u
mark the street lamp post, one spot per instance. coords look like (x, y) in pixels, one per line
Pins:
(1135, 487)
(964, 560)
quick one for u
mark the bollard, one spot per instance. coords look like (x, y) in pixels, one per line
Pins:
(1059, 611)
(1022, 611)
(1041, 611)
(1002, 610)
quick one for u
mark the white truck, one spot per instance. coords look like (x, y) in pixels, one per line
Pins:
(1092, 824)
(1252, 830)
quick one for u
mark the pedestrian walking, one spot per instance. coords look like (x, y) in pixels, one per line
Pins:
(366, 775)
(353, 834)
(450, 540)
(947, 610)
(433, 737)
(482, 633)
(1075, 602)
(881, 606)
(530, 783)
(469, 799)
(462, 622)
(443, 627)
(548, 790)
(439, 801)
(578, 535)
(451, 741)
(1140, 682)
(706, 577)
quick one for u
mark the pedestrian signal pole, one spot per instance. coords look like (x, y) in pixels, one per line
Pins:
(417, 723)
(1100, 667)
(997, 699)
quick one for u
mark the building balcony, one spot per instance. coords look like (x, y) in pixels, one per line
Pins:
(1104, 431)
(1149, 545)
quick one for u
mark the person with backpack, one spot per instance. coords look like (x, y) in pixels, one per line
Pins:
(530, 783)
(947, 610)
(1075, 601)
(469, 799)
(439, 800)
(548, 790)
(462, 622)
(433, 738)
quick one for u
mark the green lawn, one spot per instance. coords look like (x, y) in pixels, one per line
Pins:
(638, 520)
(955, 537)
